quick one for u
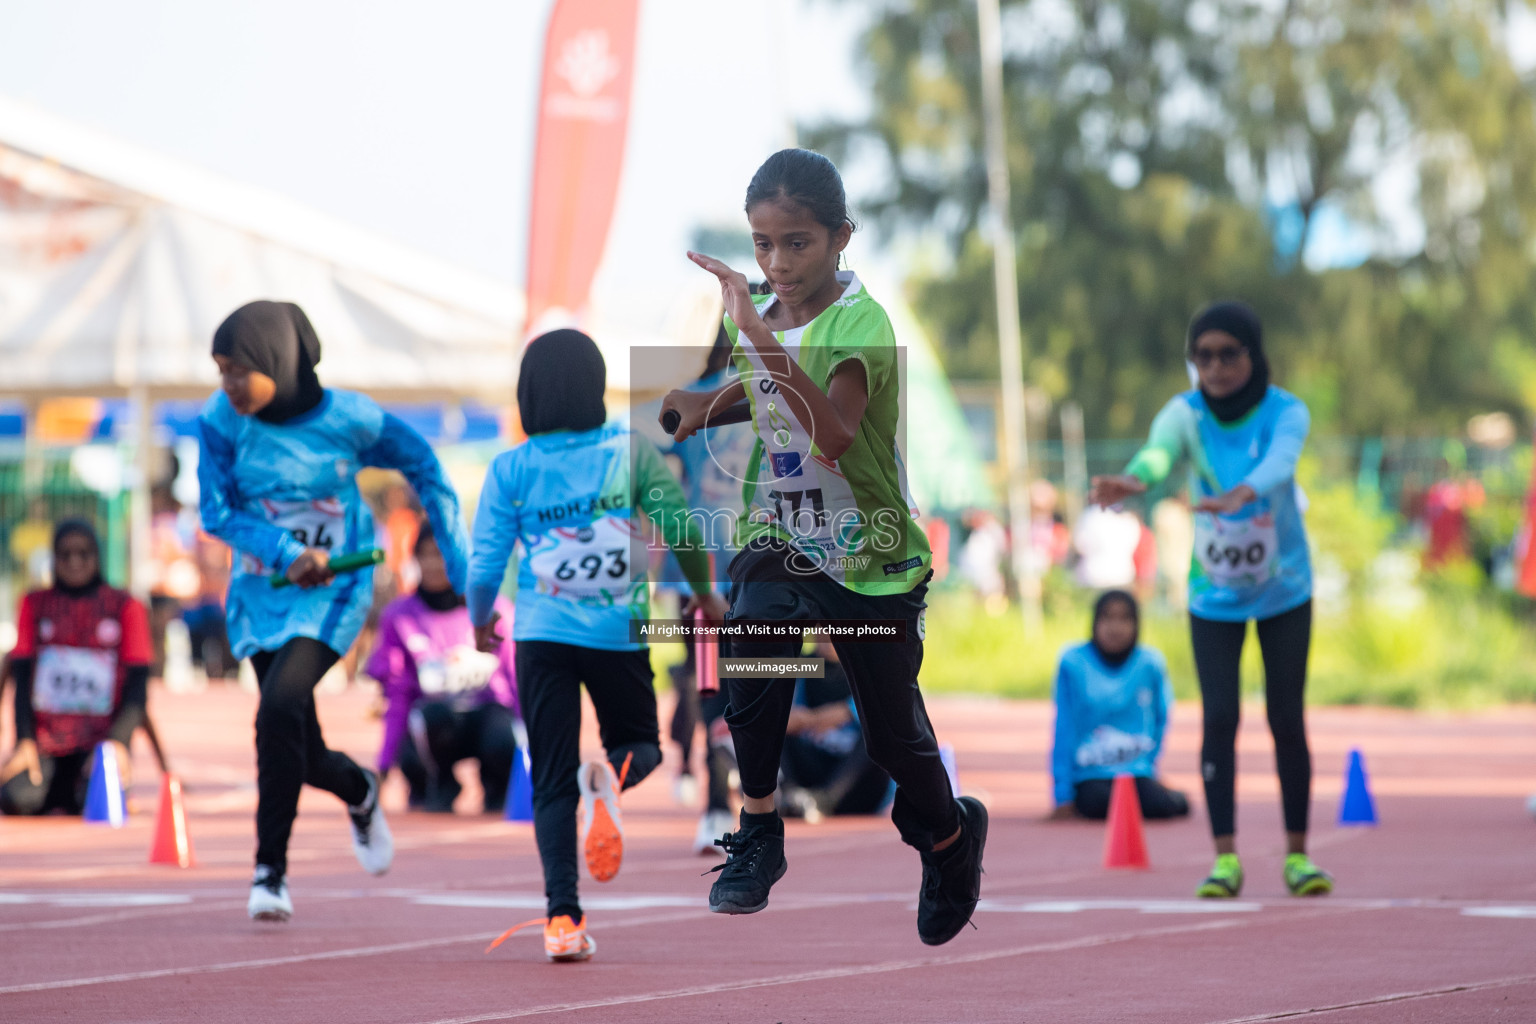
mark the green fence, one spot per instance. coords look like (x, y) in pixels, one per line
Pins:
(50, 488)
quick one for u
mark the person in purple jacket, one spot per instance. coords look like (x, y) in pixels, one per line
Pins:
(446, 701)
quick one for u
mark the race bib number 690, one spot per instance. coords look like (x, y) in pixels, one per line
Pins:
(1236, 552)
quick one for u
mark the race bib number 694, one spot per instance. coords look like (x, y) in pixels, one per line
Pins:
(75, 681)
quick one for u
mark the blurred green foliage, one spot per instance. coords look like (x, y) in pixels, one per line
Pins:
(1358, 170)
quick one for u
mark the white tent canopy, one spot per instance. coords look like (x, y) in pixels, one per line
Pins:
(117, 265)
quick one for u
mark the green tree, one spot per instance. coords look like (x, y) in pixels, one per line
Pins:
(1151, 144)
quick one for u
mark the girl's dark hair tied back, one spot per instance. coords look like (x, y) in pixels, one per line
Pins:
(805, 178)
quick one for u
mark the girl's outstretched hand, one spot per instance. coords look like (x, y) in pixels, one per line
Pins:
(1112, 490)
(734, 290)
(1228, 503)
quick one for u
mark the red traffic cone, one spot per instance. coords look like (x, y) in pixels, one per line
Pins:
(172, 844)
(1125, 846)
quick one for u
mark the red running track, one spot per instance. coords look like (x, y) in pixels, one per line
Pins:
(1434, 918)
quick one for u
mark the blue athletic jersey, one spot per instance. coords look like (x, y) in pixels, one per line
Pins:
(1109, 721)
(1254, 563)
(569, 500)
(271, 490)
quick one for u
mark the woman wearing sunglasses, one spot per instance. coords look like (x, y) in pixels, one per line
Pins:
(1241, 437)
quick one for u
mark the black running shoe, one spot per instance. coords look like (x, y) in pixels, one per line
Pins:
(952, 879)
(755, 860)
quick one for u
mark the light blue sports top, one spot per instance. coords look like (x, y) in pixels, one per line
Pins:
(575, 503)
(1254, 563)
(1109, 721)
(269, 490)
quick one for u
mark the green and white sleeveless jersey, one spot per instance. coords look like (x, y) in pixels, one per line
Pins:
(852, 516)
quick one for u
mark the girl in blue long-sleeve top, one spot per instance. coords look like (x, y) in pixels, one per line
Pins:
(1112, 701)
(278, 458)
(1241, 437)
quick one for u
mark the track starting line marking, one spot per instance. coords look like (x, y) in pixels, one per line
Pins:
(666, 901)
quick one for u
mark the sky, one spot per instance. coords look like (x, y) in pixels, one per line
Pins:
(416, 121)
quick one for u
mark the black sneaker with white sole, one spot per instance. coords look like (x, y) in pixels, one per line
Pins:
(952, 878)
(755, 860)
(269, 896)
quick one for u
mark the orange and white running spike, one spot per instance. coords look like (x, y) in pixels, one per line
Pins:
(602, 826)
(566, 941)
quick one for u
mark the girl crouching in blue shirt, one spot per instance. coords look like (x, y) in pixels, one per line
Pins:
(1112, 701)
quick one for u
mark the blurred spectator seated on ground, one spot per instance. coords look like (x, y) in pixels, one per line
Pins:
(1112, 703)
(81, 666)
(1446, 508)
(825, 769)
(204, 615)
(981, 559)
(445, 701)
(1106, 541)
(175, 581)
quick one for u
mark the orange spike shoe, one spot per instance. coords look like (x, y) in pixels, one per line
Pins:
(602, 824)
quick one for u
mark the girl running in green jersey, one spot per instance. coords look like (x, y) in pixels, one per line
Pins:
(828, 534)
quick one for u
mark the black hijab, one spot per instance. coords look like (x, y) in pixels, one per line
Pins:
(561, 384)
(63, 529)
(1240, 321)
(275, 339)
(444, 600)
(1115, 660)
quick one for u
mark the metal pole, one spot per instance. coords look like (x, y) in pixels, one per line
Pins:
(1010, 340)
(140, 560)
(1075, 452)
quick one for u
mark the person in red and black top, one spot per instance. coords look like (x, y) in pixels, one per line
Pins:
(81, 665)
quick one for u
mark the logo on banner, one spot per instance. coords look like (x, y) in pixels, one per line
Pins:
(586, 65)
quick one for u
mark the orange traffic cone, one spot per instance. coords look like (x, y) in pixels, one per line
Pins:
(172, 844)
(1125, 846)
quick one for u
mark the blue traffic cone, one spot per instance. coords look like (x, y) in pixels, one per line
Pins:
(104, 802)
(520, 789)
(947, 756)
(1357, 807)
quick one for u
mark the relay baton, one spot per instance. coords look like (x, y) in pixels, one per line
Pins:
(346, 563)
(706, 652)
(741, 412)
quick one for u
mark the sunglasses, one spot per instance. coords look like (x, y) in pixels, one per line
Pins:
(1227, 355)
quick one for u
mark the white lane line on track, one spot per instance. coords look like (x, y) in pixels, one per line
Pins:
(236, 965)
(834, 973)
(300, 958)
(1395, 997)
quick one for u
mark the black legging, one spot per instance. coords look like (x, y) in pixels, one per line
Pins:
(483, 733)
(290, 750)
(1091, 797)
(770, 582)
(1284, 641)
(549, 680)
